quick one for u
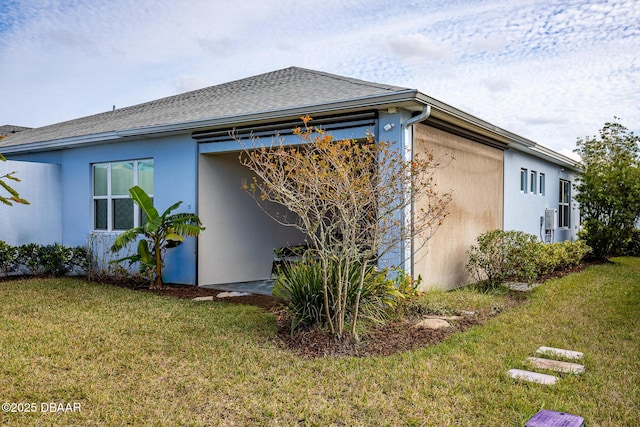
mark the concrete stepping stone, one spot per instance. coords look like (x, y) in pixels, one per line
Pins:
(534, 377)
(432, 324)
(232, 294)
(203, 298)
(559, 352)
(555, 365)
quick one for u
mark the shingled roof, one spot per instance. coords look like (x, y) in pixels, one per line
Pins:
(9, 129)
(284, 89)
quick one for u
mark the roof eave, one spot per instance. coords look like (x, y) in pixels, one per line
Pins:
(396, 99)
(399, 99)
(460, 118)
(59, 144)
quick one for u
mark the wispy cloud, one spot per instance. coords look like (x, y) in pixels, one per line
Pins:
(550, 71)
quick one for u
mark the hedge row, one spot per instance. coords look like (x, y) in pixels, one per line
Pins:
(502, 256)
(41, 260)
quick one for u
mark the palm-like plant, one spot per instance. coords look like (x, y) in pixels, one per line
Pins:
(160, 232)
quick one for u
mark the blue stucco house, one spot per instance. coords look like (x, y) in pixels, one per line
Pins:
(180, 148)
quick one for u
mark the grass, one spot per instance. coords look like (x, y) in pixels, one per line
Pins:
(132, 358)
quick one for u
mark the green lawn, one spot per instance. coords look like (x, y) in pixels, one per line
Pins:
(132, 358)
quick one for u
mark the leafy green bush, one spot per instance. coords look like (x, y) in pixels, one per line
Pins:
(561, 255)
(52, 260)
(29, 256)
(57, 260)
(500, 256)
(299, 285)
(632, 248)
(8, 258)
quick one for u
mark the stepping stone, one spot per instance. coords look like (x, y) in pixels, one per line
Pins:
(546, 418)
(203, 299)
(534, 377)
(232, 294)
(444, 317)
(432, 324)
(555, 365)
(521, 286)
(558, 352)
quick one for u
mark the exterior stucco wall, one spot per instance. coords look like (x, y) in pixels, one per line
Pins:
(523, 210)
(41, 220)
(175, 174)
(238, 244)
(475, 179)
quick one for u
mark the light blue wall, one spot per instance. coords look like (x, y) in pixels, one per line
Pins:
(41, 220)
(175, 177)
(522, 211)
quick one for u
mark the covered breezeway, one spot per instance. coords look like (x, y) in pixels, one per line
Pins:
(238, 243)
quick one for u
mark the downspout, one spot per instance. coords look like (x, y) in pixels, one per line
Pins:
(407, 133)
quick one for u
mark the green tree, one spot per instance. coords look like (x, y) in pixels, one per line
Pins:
(14, 196)
(609, 188)
(349, 198)
(159, 232)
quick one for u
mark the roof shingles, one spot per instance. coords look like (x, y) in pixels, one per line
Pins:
(278, 90)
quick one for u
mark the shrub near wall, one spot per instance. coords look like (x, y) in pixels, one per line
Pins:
(501, 256)
(42, 260)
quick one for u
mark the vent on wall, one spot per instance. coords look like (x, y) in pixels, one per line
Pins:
(328, 123)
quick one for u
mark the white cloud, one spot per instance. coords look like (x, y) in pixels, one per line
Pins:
(550, 71)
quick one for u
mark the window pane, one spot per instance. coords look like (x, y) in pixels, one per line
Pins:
(100, 212)
(523, 180)
(121, 178)
(100, 180)
(564, 191)
(542, 184)
(533, 181)
(122, 214)
(145, 175)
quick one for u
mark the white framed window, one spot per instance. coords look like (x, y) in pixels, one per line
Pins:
(113, 208)
(541, 187)
(523, 180)
(533, 182)
(564, 199)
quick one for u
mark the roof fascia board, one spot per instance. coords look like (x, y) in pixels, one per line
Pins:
(557, 158)
(59, 144)
(464, 120)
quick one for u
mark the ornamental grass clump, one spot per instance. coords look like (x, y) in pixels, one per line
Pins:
(300, 286)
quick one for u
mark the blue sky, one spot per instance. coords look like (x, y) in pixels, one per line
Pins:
(550, 71)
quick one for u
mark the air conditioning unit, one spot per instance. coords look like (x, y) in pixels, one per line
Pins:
(550, 219)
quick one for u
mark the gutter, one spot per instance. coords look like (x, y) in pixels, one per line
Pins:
(407, 133)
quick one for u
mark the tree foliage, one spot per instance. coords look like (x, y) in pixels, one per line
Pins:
(609, 188)
(14, 196)
(348, 198)
(159, 232)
